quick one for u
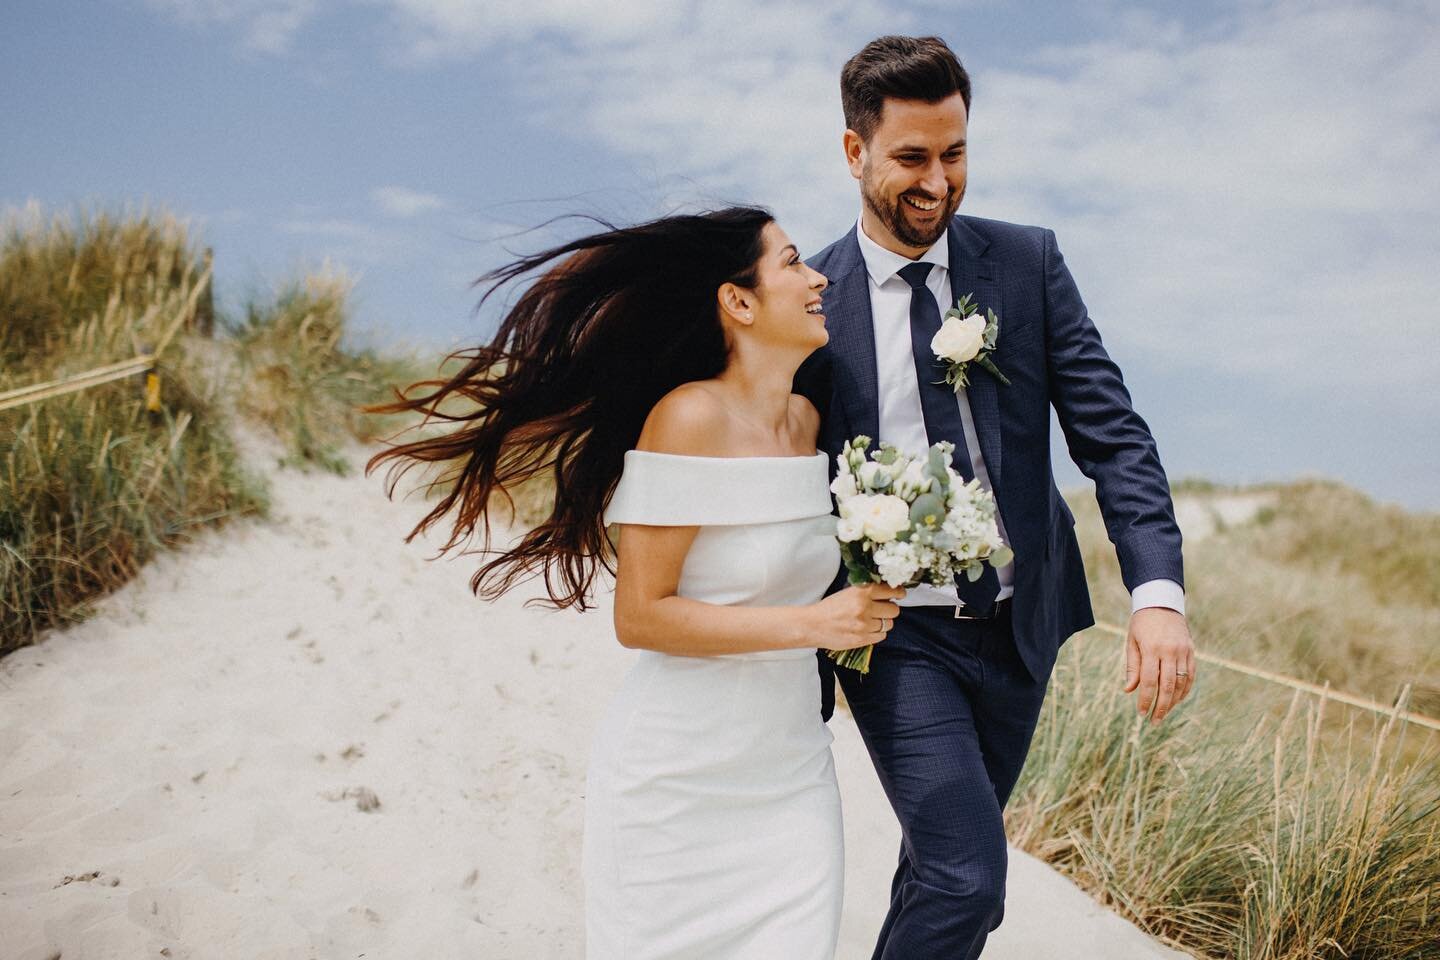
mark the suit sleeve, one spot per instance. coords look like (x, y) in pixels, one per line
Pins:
(1107, 439)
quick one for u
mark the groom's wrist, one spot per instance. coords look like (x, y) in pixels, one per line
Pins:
(1158, 593)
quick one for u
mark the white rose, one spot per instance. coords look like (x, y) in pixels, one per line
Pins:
(843, 486)
(883, 517)
(849, 529)
(959, 340)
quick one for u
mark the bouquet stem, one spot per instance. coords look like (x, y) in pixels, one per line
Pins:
(857, 658)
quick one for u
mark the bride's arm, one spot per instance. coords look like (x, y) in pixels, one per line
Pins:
(650, 615)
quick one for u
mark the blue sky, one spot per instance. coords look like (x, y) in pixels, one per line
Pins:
(1248, 195)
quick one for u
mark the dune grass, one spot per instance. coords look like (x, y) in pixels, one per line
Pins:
(61, 271)
(299, 378)
(1232, 832)
(1253, 823)
(1323, 583)
(94, 483)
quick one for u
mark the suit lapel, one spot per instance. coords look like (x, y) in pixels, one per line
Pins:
(852, 336)
(971, 273)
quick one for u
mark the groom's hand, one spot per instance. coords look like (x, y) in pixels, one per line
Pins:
(1159, 660)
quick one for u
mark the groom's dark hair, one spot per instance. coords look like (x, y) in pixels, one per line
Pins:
(906, 68)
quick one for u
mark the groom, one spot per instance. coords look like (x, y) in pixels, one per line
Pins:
(951, 700)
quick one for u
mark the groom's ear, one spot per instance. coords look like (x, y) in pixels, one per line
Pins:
(854, 153)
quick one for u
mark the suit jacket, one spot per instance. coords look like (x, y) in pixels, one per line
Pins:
(1053, 357)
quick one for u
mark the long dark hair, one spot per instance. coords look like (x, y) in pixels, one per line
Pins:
(612, 323)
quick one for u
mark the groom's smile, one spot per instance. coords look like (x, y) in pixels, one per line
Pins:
(912, 171)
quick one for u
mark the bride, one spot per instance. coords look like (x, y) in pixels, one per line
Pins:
(646, 371)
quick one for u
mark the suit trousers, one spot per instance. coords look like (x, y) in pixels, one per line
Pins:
(947, 712)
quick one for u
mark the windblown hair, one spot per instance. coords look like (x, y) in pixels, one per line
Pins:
(906, 68)
(612, 323)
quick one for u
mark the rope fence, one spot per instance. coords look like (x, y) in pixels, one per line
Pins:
(143, 363)
(1295, 683)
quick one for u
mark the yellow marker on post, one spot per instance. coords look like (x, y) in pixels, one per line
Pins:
(152, 391)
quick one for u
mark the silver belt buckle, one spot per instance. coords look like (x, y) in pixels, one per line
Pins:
(960, 613)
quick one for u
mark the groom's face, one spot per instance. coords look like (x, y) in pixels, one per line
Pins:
(911, 172)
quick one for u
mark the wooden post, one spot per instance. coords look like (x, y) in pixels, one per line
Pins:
(204, 321)
(152, 384)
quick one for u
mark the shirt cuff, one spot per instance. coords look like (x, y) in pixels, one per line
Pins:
(1158, 593)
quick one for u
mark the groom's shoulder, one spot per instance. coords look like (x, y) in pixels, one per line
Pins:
(1007, 238)
(834, 252)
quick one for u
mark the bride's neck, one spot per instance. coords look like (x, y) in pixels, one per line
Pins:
(761, 389)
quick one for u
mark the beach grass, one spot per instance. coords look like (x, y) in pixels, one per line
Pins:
(93, 483)
(300, 378)
(1256, 822)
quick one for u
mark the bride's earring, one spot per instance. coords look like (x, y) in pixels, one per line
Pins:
(749, 316)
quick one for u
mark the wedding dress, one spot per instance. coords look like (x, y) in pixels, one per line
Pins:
(712, 816)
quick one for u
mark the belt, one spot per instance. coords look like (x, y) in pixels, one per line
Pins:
(997, 609)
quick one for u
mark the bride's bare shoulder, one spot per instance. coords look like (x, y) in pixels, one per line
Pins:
(689, 420)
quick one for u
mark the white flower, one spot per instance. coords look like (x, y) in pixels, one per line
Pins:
(849, 529)
(843, 486)
(882, 516)
(874, 476)
(959, 339)
(913, 481)
(897, 563)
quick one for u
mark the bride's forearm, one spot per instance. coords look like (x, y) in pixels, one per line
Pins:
(692, 628)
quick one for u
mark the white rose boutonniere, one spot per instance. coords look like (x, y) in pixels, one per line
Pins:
(965, 337)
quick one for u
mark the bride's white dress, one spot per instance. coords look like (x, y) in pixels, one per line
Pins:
(712, 816)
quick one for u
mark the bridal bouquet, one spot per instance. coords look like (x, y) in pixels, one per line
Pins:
(907, 520)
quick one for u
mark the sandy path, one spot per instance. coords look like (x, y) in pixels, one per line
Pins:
(300, 739)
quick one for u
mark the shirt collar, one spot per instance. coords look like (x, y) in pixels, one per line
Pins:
(884, 264)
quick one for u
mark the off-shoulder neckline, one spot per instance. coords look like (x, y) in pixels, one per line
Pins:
(691, 456)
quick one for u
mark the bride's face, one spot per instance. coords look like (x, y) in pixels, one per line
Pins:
(787, 295)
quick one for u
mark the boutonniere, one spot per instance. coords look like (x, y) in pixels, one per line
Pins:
(965, 337)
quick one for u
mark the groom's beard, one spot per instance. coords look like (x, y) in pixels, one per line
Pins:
(893, 216)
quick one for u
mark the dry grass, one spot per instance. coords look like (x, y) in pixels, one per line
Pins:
(300, 379)
(1255, 824)
(1324, 584)
(92, 483)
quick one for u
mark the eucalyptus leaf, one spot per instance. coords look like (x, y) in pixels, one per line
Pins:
(928, 510)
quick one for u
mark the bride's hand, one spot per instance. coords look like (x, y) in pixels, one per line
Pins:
(856, 616)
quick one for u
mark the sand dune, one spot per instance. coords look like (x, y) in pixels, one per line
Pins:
(300, 739)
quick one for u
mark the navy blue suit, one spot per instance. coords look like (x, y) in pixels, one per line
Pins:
(949, 706)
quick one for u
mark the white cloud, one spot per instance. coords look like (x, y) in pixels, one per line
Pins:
(721, 101)
(348, 240)
(1254, 194)
(434, 29)
(1266, 200)
(1257, 195)
(399, 201)
(266, 26)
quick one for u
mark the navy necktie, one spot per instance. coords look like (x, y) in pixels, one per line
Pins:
(941, 409)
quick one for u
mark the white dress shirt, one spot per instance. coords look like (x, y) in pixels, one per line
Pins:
(902, 422)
